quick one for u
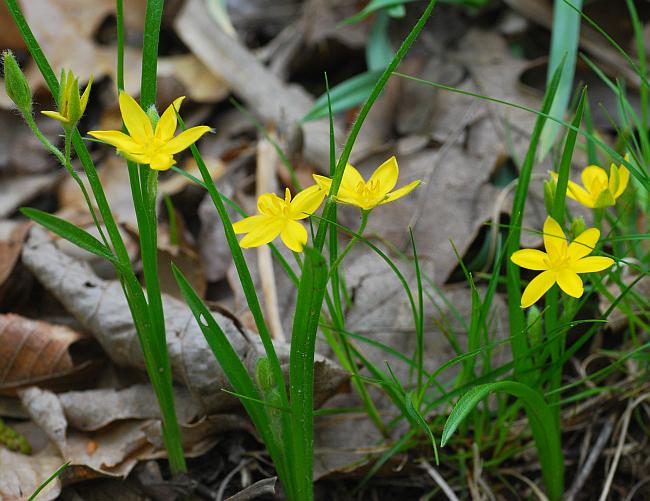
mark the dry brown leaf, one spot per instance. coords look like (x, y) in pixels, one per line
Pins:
(264, 93)
(15, 282)
(66, 30)
(91, 410)
(35, 352)
(20, 475)
(99, 306)
(195, 79)
(18, 190)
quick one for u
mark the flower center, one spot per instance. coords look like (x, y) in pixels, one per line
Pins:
(152, 145)
(557, 259)
(369, 190)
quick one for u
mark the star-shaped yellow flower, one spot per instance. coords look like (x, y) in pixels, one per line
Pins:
(560, 263)
(279, 216)
(377, 191)
(600, 190)
(145, 146)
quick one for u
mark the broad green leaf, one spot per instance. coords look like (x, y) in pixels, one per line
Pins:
(70, 232)
(345, 95)
(540, 418)
(379, 51)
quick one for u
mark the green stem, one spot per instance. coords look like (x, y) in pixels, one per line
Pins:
(82, 186)
(352, 242)
(45, 141)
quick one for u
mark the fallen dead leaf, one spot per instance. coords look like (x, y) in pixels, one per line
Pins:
(35, 352)
(20, 475)
(100, 307)
(16, 191)
(15, 282)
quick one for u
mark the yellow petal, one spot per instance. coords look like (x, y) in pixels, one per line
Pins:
(352, 198)
(185, 139)
(136, 120)
(554, 238)
(593, 174)
(531, 259)
(306, 202)
(263, 234)
(351, 178)
(624, 178)
(118, 139)
(250, 223)
(269, 204)
(537, 288)
(570, 282)
(404, 190)
(323, 182)
(56, 116)
(592, 264)
(578, 193)
(584, 243)
(167, 124)
(294, 236)
(161, 161)
(386, 175)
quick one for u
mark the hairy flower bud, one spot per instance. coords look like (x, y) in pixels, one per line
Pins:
(16, 84)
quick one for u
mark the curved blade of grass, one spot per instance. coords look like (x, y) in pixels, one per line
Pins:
(54, 475)
(565, 35)
(373, 6)
(70, 232)
(541, 421)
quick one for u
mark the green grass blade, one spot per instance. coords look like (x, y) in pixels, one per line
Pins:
(54, 475)
(234, 369)
(565, 36)
(311, 292)
(541, 421)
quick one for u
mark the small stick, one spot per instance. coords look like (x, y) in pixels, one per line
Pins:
(589, 464)
(267, 161)
(437, 478)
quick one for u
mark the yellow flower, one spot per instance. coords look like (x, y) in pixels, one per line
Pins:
(600, 190)
(71, 104)
(560, 263)
(279, 216)
(377, 191)
(145, 146)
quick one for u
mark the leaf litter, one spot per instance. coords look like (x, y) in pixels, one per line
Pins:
(455, 143)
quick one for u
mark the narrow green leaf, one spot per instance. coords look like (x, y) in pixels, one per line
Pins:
(311, 292)
(565, 36)
(541, 421)
(379, 50)
(70, 232)
(345, 95)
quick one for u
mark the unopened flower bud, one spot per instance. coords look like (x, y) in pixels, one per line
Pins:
(549, 194)
(16, 84)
